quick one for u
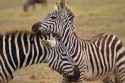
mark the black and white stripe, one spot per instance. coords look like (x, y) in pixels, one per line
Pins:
(100, 57)
(20, 49)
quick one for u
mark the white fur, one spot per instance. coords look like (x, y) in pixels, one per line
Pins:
(52, 42)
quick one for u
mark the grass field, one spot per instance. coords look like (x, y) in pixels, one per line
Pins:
(91, 17)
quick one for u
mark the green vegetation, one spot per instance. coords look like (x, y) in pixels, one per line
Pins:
(91, 17)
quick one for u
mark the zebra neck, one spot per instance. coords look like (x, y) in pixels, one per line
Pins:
(35, 54)
(29, 51)
(70, 39)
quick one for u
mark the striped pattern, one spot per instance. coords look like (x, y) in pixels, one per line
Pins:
(100, 57)
(20, 49)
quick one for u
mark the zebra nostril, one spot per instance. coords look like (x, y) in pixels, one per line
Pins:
(36, 26)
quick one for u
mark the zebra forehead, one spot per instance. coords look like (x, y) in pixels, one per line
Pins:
(59, 11)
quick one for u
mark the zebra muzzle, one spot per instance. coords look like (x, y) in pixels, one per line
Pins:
(75, 76)
(35, 28)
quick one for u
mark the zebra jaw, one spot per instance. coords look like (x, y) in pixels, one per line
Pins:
(49, 43)
(73, 76)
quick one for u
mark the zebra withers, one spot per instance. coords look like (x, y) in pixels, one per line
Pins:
(101, 57)
(20, 49)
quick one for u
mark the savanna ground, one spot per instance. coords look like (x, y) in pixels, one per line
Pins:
(91, 17)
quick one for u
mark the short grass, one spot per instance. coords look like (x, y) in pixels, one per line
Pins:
(91, 17)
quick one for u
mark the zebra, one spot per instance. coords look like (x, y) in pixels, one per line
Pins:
(99, 58)
(21, 48)
(32, 3)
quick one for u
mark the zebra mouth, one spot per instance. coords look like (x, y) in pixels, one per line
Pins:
(74, 77)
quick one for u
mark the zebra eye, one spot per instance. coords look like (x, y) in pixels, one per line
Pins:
(53, 17)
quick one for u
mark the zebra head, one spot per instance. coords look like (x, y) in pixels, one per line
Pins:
(60, 59)
(55, 22)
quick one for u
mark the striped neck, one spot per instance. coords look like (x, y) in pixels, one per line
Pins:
(69, 38)
(22, 49)
(33, 51)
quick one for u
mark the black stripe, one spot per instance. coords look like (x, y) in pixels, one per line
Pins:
(14, 54)
(30, 54)
(112, 48)
(94, 54)
(90, 56)
(7, 52)
(21, 53)
(76, 48)
(120, 56)
(6, 46)
(4, 70)
(99, 56)
(1, 70)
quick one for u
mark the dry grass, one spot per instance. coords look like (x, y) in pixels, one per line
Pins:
(92, 17)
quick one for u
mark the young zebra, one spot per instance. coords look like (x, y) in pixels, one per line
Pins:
(101, 57)
(20, 49)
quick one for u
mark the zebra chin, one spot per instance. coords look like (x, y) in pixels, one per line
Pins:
(74, 77)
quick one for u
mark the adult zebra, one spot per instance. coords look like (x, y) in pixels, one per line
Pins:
(29, 3)
(101, 57)
(20, 49)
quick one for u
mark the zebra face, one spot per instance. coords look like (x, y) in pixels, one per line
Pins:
(62, 62)
(55, 22)
(59, 58)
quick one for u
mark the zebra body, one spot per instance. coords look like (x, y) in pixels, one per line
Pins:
(20, 49)
(100, 57)
(104, 55)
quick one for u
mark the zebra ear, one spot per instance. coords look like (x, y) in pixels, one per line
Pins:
(49, 43)
(56, 7)
(62, 3)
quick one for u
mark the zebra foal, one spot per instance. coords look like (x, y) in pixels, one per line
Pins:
(99, 58)
(20, 49)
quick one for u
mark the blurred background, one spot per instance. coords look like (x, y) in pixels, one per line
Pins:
(91, 17)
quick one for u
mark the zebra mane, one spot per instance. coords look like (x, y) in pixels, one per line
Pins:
(26, 32)
(70, 12)
(16, 31)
